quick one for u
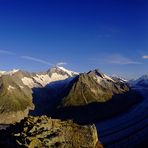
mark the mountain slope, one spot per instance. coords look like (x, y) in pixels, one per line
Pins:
(93, 86)
(16, 88)
(59, 92)
(94, 96)
(142, 81)
(15, 100)
(44, 78)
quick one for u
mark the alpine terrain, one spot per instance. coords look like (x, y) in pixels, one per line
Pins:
(60, 94)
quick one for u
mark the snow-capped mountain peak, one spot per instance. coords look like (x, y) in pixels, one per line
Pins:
(142, 81)
(12, 71)
(61, 71)
(52, 75)
(144, 77)
(9, 72)
(2, 72)
(120, 78)
(100, 76)
(71, 73)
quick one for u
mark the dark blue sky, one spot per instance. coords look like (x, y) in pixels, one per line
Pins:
(111, 35)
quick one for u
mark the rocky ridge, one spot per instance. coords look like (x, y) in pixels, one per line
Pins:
(91, 87)
(43, 132)
(57, 88)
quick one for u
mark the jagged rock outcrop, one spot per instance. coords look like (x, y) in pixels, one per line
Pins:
(44, 132)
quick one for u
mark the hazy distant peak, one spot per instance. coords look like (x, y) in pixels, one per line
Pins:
(142, 81)
(9, 72)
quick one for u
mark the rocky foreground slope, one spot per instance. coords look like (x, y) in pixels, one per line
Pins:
(41, 132)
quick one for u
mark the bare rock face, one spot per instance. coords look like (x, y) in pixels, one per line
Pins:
(44, 132)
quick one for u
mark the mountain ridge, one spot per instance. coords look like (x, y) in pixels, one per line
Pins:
(141, 81)
(56, 88)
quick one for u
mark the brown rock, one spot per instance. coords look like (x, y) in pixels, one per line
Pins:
(45, 132)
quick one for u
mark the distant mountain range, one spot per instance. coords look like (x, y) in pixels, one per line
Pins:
(59, 92)
(140, 82)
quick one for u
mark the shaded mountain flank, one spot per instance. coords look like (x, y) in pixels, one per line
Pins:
(42, 132)
(86, 98)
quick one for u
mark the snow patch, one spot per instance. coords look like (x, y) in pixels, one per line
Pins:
(2, 72)
(21, 86)
(103, 78)
(107, 77)
(42, 79)
(56, 77)
(69, 72)
(9, 72)
(98, 79)
(28, 82)
(45, 79)
(120, 78)
(10, 88)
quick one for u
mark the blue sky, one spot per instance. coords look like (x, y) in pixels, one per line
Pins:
(111, 35)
